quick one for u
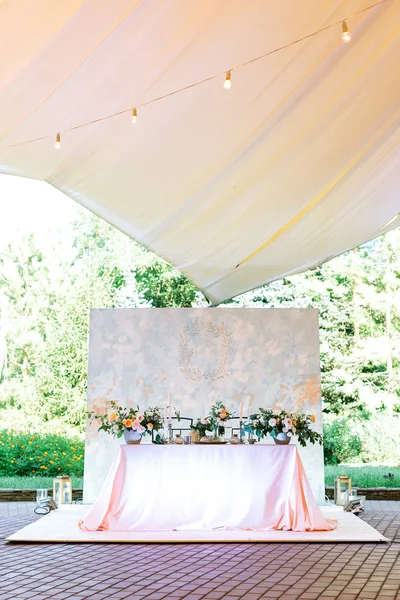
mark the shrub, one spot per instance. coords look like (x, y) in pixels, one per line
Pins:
(341, 442)
(48, 454)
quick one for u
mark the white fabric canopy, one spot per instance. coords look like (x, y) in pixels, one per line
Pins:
(296, 163)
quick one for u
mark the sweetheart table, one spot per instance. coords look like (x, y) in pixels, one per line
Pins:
(196, 487)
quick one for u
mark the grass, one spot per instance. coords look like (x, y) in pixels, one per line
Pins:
(34, 482)
(365, 476)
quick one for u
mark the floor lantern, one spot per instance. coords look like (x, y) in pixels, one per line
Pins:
(342, 490)
(62, 490)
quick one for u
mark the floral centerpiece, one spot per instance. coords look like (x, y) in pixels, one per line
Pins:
(282, 426)
(218, 417)
(201, 426)
(129, 422)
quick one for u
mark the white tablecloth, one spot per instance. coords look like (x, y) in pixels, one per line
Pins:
(194, 487)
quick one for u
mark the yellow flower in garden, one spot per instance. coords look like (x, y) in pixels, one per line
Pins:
(52, 462)
(58, 468)
(29, 442)
(33, 470)
(12, 460)
(112, 416)
(64, 453)
(31, 459)
(44, 453)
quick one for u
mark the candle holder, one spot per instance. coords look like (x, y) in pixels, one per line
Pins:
(241, 432)
(170, 433)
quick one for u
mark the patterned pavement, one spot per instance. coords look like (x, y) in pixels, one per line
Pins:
(201, 571)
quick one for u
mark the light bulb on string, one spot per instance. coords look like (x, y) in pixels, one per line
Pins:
(57, 144)
(346, 37)
(134, 115)
(228, 82)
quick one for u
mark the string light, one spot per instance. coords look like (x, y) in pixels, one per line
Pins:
(228, 82)
(346, 37)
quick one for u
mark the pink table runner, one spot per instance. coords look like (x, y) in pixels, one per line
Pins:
(193, 487)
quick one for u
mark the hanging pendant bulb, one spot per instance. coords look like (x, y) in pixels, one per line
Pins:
(57, 144)
(346, 37)
(134, 115)
(228, 82)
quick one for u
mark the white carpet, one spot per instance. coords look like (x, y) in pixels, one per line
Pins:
(61, 525)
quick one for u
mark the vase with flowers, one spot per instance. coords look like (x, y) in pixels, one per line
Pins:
(282, 425)
(199, 429)
(218, 417)
(129, 422)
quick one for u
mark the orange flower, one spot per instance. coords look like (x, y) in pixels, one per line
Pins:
(312, 418)
(128, 422)
(112, 416)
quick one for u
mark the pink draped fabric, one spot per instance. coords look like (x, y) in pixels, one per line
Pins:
(161, 488)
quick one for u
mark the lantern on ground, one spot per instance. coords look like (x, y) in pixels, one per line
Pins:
(62, 490)
(342, 490)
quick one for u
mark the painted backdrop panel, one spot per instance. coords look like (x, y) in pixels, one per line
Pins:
(137, 355)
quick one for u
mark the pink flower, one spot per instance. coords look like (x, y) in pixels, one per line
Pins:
(135, 425)
(141, 429)
(150, 426)
(139, 418)
(272, 422)
(288, 422)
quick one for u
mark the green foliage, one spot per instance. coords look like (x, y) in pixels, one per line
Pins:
(164, 286)
(341, 443)
(51, 455)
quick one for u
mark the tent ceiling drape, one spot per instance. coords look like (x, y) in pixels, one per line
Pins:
(296, 163)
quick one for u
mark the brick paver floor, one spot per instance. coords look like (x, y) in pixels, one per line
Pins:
(201, 571)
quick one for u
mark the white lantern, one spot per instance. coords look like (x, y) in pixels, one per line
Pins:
(62, 490)
(342, 490)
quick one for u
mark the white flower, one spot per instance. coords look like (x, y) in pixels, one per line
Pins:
(284, 429)
(141, 429)
(204, 421)
(289, 434)
(272, 422)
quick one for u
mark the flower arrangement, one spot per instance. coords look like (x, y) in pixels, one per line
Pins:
(119, 418)
(267, 421)
(218, 416)
(201, 425)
